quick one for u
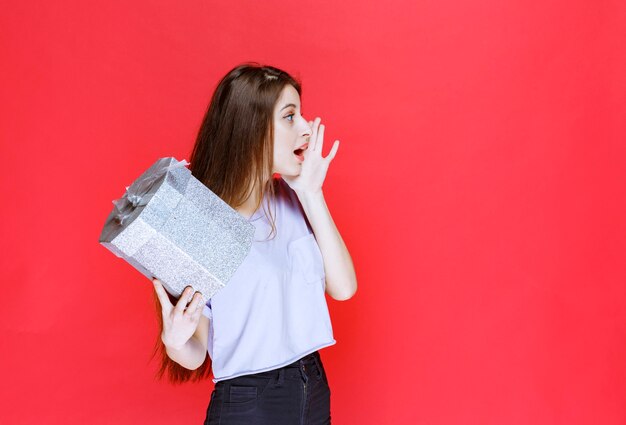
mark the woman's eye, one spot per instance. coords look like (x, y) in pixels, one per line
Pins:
(290, 115)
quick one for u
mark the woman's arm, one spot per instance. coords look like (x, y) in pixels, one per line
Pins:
(193, 353)
(340, 275)
(185, 329)
(338, 267)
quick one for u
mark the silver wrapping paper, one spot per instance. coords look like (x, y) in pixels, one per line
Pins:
(171, 226)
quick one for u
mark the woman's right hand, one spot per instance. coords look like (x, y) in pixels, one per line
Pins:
(179, 324)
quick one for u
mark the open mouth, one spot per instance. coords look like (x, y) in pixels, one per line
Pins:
(299, 153)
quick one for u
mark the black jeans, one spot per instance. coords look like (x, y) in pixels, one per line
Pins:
(296, 394)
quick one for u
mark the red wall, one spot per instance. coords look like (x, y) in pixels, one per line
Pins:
(479, 185)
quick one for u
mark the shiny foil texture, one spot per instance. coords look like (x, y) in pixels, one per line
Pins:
(171, 226)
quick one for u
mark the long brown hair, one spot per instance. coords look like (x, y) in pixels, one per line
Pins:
(233, 155)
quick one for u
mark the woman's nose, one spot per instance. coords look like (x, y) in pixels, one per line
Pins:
(306, 128)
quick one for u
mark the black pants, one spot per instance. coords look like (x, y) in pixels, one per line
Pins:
(296, 394)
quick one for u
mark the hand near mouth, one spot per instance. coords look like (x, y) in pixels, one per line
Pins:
(314, 167)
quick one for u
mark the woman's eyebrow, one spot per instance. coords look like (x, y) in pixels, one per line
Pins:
(287, 106)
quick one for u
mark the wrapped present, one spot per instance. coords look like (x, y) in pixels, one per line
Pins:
(171, 226)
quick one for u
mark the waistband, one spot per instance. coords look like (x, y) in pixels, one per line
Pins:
(310, 359)
(306, 367)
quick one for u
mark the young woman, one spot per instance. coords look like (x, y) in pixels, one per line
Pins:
(263, 330)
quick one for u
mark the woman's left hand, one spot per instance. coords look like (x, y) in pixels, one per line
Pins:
(314, 167)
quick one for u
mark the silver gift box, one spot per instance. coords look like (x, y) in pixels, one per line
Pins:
(171, 226)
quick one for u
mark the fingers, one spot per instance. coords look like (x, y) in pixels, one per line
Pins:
(319, 143)
(185, 297)
(166, 305)
(333, 151)
(317, 138)
(315, 127)
(195, 308)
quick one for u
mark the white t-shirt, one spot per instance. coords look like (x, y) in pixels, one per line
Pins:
(273, 311)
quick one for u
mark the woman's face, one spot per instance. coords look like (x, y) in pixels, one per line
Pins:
(291, 132)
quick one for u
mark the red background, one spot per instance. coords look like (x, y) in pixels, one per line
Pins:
(479, 185)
